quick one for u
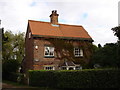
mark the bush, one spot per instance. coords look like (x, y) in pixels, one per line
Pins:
(9, 68)
(106, 56)
(13, 77)
(91, 78)
(42, 78)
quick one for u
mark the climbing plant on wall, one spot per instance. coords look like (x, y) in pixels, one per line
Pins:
(64, 50)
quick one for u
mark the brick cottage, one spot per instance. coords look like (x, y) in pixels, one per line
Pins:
(54, 46)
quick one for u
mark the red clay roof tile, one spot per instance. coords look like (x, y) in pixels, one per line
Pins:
(60, 30)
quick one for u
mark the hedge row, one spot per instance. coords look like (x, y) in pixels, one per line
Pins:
(109, 78)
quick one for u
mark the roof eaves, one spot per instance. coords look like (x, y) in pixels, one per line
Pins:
(60, 37)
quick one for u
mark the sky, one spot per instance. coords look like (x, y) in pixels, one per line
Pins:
(96, 16)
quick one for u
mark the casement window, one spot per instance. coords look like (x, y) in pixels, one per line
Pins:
(49, 68)
(78, 52)
(29, 35)
(49, 51)
(64, 68)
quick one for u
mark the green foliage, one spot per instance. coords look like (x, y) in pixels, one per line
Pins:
(106, 56)
(9, 68)
(116, 31)
(65, 48)
(90, 78)
(13, 46)
(94, 48)
(7, 46)
(12, 77)
(42, 78)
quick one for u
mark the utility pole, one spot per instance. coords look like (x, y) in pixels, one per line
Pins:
(119, 13)
(1, 34)
(118, 42)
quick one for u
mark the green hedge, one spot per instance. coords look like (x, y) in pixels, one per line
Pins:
(106, 78)
(42, 78)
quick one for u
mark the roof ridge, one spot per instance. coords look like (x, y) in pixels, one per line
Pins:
(39, 21)
(58, 23)
(71, 25)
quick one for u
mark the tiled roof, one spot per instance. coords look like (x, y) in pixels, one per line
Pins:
(44, 29)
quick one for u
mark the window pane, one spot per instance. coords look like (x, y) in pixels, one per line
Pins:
(81, 52)
(49, 68)
(52, 49)
(49, 51)
(78, 52)
(51, 54)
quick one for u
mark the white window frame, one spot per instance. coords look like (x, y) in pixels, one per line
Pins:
(78, 52)
(29, 35)
(49, 68)
(49, 50)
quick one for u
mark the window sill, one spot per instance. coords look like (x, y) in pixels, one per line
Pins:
(79, 56)
(48, 56)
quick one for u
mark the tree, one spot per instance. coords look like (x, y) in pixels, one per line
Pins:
(18, 49)
(116, 31)
(13, 47)
(11, 66)
(99, 46)
(106, 56)
(13, 54)
(10, 70)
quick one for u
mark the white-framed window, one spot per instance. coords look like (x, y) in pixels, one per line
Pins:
(78, 52)
(49, 51)
(64, 68)
(29, 35)
(49, 68)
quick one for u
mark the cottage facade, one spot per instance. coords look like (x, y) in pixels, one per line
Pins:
(54, 46)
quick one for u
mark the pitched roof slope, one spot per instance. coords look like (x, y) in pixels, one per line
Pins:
(60, 30)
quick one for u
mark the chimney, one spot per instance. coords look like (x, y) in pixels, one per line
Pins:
(54, 17)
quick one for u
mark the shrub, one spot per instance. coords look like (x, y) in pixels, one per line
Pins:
(91, 78)
(9, 67)
(42, 78)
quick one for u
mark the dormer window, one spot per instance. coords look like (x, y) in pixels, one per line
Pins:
(78, 52)
(29, 36)
(49, 51)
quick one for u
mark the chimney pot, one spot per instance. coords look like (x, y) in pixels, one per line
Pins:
(54, 17)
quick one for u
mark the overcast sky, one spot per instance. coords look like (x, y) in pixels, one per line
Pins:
(96, 16)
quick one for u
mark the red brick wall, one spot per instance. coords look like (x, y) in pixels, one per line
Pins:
(39, 53)
(28, 63)
(31, 53)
